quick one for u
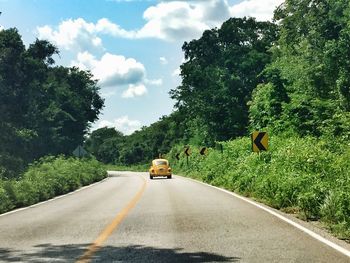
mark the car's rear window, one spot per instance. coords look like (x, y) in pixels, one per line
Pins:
(160, 162)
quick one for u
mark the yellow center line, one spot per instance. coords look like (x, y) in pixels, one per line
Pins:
(94, 247)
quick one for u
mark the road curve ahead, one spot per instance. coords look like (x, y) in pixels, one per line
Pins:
(130, 218)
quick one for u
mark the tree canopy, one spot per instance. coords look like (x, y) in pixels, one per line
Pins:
(221, 70)
(45, 109)
(307, 86)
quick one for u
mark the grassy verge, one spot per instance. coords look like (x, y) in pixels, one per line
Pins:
(48, 178)
(307, 176)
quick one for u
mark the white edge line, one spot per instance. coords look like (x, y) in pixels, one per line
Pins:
(52, 199)
(300, 227)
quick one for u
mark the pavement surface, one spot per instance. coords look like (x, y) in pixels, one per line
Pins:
(130, 218)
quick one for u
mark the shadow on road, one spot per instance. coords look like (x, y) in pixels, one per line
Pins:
(134, 253)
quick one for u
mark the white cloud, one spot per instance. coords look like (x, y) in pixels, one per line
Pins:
(72, 35)
(261, 10)
(170, 20)
(163, 60)
(123, 124)
(134, 91)
(105, 26)
(79, 35)
(173, 21)
(111, 70)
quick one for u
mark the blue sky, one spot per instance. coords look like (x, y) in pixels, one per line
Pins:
(132, 46)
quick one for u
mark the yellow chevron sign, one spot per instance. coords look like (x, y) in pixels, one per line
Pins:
(260, 141)
(203, 151)
(187, 151)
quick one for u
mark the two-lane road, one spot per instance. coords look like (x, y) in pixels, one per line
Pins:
(129, 218)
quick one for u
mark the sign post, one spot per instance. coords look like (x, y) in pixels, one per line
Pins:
(187, 152)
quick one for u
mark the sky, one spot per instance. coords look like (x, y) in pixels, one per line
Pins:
(132, 47)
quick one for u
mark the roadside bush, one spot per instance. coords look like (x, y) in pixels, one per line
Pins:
(5, 201)
(49, 177)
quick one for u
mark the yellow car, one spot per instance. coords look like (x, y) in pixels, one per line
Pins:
(160, 167)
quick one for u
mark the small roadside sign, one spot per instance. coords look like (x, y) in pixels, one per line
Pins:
(187, 151)
(260, 141)
(177, 156)
(80, 152)
(203, 151)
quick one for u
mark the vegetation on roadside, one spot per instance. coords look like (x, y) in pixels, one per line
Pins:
(308, 176)
(47, 178)
(46, 110)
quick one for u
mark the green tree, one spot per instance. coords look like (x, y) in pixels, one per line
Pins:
(44, 109)
(313, 62)
(105, 144)
(221, 70)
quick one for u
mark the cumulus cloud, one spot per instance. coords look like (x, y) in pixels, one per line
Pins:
(123, 124)
(72, 34)
(183, 20)
(167, 20)
(105, 26)
(172, 21)
(111, 70)
(79, 35)
(134, 91)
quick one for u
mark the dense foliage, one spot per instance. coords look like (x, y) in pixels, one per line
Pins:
(47, 178)
(221, 70)
(110, 146)
(306, 88)
(45, 109)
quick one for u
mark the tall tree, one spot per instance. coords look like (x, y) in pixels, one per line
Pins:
(221, 70)
(105, 144)
(312, 67)
(43, 109)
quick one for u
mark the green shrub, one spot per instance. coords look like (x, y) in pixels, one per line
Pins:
(49, 177)
(5, 202)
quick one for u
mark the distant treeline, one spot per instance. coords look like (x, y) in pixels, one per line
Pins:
(44, 109)
(290, 76)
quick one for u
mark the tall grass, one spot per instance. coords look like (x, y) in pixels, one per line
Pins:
(48, 178)
(308, 175)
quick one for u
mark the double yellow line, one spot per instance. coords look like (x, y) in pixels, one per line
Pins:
(94, 247)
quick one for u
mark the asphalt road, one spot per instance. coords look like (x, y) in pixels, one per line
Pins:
(130, 218)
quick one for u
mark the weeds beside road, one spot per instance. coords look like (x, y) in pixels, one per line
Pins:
(50, 177)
